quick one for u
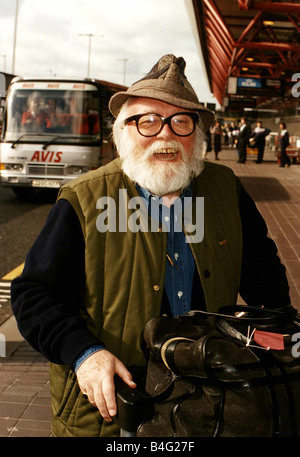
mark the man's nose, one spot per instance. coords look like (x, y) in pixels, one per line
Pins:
(166, 133)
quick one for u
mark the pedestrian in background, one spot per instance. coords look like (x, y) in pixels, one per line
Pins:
(217, 138)
(226, 134)
(284, 143)
(243, 140)
(258, 140)
(206, 144)
(233, 132)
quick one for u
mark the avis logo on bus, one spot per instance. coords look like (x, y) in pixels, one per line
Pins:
(46, 156)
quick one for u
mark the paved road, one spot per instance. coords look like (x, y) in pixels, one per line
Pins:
(20, 223)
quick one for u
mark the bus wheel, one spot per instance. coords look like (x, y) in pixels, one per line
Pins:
(23, 192)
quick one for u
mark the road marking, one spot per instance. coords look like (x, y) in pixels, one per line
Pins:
(14, 273)
(5, 292)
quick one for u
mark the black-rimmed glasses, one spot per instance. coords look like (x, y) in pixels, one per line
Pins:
(149, 124)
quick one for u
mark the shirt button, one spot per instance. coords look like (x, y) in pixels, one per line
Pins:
(179, 293)
(166, 219)
(176, 255)
(156, 287)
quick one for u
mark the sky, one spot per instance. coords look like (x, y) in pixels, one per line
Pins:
(140, 31)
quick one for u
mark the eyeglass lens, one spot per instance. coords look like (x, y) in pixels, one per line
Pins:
(180, 124)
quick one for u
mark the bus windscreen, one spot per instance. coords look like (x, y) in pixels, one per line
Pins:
(68, 110)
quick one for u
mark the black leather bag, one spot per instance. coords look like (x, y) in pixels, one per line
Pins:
(231, 374)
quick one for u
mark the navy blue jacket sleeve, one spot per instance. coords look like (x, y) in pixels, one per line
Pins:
(263, 278)
(47, 297)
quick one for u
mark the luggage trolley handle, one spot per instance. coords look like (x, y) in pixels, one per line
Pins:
(133, 408)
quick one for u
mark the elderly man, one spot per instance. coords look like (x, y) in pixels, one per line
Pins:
(89, 286)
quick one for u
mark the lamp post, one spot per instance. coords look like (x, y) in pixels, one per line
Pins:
(90, 35)
(15, 37)
(124, 70)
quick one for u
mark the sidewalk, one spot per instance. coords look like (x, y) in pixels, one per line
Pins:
(24, 382)
(276, 192)
(24, 388)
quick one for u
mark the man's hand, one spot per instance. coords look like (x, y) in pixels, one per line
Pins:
(96, 380)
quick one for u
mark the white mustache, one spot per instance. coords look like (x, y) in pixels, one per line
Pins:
(164, 147)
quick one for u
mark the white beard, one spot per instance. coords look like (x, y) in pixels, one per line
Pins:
(159, 177)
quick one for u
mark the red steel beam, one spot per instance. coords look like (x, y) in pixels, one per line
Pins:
(294, 22)
(218, 47)
(212, 7)
(295, 59)
(238, 55)
(269, 46)
(271, 7)
(250, 26)
(217, 91)
(217, 82)
(211, 23)
(216, 63)
(270, 65)
(218, 70)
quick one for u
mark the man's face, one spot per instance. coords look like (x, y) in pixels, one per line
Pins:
(164, 163)
(34, 104)
(140, 106)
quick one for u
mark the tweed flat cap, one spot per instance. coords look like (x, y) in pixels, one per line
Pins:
(166, 82)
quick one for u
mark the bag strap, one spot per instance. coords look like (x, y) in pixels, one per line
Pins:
(165, 351)
(251, 315)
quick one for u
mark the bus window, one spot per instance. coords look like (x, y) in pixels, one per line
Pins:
(68, 113)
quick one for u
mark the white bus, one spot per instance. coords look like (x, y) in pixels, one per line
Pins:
(53, 131)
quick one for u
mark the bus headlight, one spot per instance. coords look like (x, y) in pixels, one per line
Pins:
(77, 169)
(12, 166)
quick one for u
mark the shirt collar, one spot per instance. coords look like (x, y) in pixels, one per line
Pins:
(187, 192)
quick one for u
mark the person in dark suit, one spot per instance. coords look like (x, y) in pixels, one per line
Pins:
(284, 142)
(259, 140)
(243, 140)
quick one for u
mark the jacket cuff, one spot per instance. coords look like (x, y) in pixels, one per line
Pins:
(86, 354)
(75, 344)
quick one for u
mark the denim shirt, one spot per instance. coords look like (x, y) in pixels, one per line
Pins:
(180, 263)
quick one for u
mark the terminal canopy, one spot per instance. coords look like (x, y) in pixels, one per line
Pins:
(251, 51)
